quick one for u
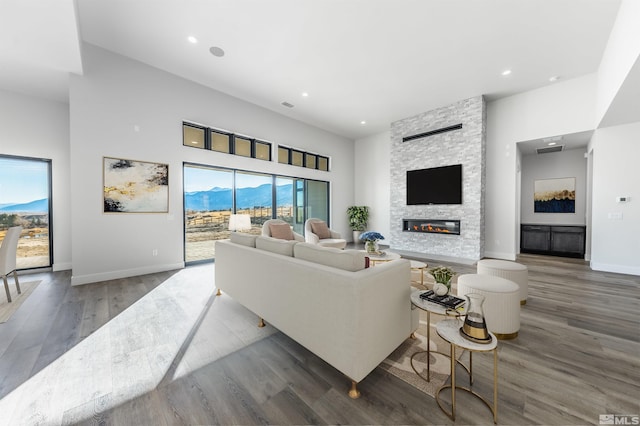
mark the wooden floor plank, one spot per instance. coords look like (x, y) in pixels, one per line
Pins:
(577, 356)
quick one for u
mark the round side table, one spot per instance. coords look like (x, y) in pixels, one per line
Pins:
(420, 267)
(385, 256)
(449, 330)
(429, 308)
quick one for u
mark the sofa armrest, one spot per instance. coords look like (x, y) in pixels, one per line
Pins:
(312, 238)
(335, 235)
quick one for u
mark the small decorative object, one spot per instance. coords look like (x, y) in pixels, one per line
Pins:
(440, 289)
(370, 239)
(442, 275)
(475, 327)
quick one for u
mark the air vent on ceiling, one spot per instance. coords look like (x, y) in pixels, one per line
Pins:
(287, 104)
(547, 149)
(433, 132)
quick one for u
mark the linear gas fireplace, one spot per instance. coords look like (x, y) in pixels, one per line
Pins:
(451, 227)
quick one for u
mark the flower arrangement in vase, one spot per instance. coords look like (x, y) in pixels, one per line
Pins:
(442, 275)
(370, 239)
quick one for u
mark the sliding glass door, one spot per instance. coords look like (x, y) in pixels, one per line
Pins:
(208, 202)
(212, 194)
(25, 200)
(254, 196)
(317, 199)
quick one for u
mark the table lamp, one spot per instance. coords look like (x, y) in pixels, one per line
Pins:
(239, 222)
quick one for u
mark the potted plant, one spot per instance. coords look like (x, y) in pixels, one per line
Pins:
(370, 239)
(358, 217)
(442, 275)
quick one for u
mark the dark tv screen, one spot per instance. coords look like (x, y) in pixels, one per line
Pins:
(437, 185)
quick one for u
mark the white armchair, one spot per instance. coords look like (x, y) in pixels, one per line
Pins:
(8, 251)
(278, 228)
(316, 231)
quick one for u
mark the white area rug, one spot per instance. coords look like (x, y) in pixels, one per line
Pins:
(7, 309)
(399, 362)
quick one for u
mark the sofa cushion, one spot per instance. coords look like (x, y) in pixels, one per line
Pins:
(243, 239)
(348, 260)
(282, 231)
(276, 245)
(321, 230)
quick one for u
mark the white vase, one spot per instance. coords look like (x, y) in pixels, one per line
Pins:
(356, 237)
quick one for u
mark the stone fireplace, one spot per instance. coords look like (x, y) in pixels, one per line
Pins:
(450, 135)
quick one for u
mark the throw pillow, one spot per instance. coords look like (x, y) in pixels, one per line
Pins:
(281, 231)
(321, 230)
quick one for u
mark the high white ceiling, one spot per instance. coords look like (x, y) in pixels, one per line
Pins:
(372, 60)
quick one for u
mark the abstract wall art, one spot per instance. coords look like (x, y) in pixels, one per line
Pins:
(135, 186)
(554, 195)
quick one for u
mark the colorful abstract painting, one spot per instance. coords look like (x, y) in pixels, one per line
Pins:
(135, 186)
(554, 195)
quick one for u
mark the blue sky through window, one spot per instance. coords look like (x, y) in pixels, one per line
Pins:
(22, 181)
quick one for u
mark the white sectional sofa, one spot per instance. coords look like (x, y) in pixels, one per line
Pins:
(324, 298)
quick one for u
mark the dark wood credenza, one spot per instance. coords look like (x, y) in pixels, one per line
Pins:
(553, 240)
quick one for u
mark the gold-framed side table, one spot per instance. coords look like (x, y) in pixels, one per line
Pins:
(418, 266)
(383, 256)
(449, 330)
(429, 308)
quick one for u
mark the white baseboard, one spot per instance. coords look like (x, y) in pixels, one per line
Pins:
(619, 269)
(62, 266)
(124, 273)
(499, 255)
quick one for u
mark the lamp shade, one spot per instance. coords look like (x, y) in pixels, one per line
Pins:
(239, 222)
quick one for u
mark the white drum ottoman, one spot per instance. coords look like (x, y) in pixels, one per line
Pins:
(513, 271)
(501, 305)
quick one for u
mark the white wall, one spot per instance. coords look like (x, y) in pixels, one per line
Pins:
(116, 96)
(620, 55)
(570, 163)
(558, 109)
(372, 181)
(616, 242)
(32, 127)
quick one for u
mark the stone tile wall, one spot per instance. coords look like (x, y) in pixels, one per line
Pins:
(465, 146)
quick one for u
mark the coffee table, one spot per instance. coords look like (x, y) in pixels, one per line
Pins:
(385, 256)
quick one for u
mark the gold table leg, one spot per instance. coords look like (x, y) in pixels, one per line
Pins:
(493, 408)
(429, 352)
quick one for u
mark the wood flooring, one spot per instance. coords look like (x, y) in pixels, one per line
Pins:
(577, 356)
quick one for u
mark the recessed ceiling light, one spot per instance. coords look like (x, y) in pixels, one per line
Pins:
(553, 78)
(192, 39)
(216, 51)
(506, 72)
(552, 143)
(305, 94)
(363, 122)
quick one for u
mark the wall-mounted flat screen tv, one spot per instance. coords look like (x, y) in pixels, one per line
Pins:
(437, 185)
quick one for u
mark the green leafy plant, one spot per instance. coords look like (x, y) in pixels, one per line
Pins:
(442, 274)
(358, 217)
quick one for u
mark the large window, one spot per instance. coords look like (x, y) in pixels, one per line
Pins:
(208, 202)
(25, 195)
(202, 137)
(212, 194)
(254, 196)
